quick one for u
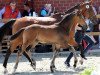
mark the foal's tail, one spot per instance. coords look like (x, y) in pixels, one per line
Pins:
(14, 36)
(5, 28)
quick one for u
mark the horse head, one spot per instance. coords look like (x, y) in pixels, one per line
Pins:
(88, 11)
(72, 19)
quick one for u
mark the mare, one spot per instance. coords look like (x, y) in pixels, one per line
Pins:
(25, 21)
(59, 34)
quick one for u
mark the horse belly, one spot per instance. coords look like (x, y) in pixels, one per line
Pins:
(47, 38)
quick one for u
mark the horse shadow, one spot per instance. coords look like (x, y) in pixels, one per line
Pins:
(48, 73)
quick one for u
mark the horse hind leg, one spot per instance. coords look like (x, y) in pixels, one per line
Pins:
(32, 61)
(27, 54)
(8, 53)
(19, 54)
(17, 61)
(33, 64)
(24, 46)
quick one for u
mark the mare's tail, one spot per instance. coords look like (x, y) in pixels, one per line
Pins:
(14, 36)
(5, 28)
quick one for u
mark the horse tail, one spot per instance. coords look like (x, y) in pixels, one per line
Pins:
(4, 29)
(14, 36)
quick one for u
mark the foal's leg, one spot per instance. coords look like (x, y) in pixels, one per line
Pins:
(32, 61)
(52, 66)
(19, 56)
(75, 56)
(8, 53)
(27, 54)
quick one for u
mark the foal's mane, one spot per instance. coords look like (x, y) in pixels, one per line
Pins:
(66, 18)
(64, 23)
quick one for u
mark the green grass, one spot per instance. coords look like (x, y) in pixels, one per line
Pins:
(87, 71)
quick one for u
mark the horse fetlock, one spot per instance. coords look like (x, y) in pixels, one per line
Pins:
(75, 63)
(33, 61)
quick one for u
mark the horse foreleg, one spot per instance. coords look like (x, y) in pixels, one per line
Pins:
(19, 54)
(75, 56)
(8, 53)
(52, 66)
(32, 61)
(81, 51)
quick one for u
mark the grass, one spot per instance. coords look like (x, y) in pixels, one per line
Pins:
(87, 71)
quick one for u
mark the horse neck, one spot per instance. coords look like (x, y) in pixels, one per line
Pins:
(72, 29)
(57, 17)
(67, 23)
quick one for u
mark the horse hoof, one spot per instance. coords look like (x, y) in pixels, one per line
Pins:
(81, 62)
(13, 74)
(52, 68)
(5, 72)
(74, 66)
(33, 66)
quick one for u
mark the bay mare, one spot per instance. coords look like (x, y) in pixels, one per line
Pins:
(61, 35)
(16, 24)
(82, 6)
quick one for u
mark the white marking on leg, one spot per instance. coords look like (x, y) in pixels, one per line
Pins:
(5, 71)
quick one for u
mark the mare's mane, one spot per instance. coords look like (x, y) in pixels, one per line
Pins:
(73, 8)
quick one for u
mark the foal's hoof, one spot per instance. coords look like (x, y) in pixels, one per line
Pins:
(52, 68)
(33, 66)
(12, 74)
(81, 62)
(5, 72)
(74, 65)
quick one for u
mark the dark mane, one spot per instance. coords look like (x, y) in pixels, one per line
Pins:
(73, 8)
(67, 18)
(65, 23)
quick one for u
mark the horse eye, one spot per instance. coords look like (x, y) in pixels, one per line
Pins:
(87, 6)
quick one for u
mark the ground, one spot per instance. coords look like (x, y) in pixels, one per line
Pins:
(43, 62)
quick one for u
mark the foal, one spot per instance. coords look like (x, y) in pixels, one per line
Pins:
(61, 35)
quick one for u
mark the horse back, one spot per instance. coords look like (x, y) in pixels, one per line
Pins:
(45, 35)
